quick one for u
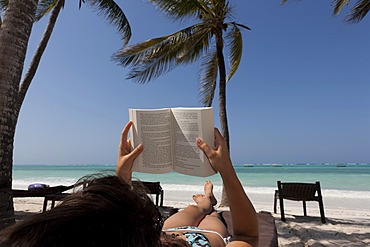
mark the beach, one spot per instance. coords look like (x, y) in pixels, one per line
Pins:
(348, 220)
(345, 190)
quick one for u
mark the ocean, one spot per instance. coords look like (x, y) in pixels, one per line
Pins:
(337, 180)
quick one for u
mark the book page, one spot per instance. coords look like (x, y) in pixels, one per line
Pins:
(188, 124)
(152, 128)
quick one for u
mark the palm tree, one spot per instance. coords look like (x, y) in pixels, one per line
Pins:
(108, 8)
(204, 40)
(356, 14)
(14, 35)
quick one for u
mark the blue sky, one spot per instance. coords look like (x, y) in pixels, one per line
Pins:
(301, 94)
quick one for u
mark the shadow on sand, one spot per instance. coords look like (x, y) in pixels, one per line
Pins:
(310, 231)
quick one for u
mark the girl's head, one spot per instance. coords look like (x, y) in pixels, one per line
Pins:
(108, 212)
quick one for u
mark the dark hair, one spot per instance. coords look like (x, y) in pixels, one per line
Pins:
(108, 212)
(170, 240)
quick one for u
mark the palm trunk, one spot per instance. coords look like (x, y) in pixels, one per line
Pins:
(222, 101)
(38, 54)
(14, 35)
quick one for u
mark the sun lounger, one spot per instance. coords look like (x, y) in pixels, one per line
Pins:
(267, 229)
(53, 193)
(53, 198)
(41, 192)
(153, 188)
(150, 187)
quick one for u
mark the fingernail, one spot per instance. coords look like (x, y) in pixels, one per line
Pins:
(199, 140)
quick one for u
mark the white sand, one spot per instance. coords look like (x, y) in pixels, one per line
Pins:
(348, 220)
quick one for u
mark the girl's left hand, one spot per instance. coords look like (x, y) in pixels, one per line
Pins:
(126, 157)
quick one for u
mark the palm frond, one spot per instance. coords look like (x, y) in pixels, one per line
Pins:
(338, 5)
(208, 78)
(183, 9)
(134, 54)
(80, 3)
(221, 8)
(359, 11)
(235, 46)
(44, 7)
(154, 57)
(195, 45)
(171, 53)
(115, 16)
(243, 26)
(219, 4)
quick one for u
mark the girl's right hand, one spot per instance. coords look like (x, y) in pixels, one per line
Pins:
(218, 157)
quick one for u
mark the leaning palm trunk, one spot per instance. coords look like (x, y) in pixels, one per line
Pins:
(14, 35)
(222, 102)
(37, 56)
(12, 94)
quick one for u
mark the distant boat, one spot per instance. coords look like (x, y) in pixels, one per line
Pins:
(276, 165)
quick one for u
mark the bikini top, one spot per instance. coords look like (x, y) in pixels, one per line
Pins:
(197, 230)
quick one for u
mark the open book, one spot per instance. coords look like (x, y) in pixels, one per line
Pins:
(168, 136)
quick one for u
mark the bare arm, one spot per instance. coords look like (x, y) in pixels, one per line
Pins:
(243, 214)
(126, 157)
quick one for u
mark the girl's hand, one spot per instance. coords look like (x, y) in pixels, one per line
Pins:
(126, 157)
(218, 157)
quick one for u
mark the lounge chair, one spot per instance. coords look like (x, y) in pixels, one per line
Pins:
(299, 192)
(49, 193)
(153, 188)
(41, 192)
(267, 230)
(150, 187)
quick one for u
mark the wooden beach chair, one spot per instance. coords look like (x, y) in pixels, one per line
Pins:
(299, 192)
(41, 192)
(153, 188)
(57, 193)
(53, 193)
(150, 187)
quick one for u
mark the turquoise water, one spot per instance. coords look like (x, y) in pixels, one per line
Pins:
(340, 179)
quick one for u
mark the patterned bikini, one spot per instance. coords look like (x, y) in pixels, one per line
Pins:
(195, 236)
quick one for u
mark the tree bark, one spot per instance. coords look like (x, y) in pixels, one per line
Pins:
(222, 101)
(14, 35)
